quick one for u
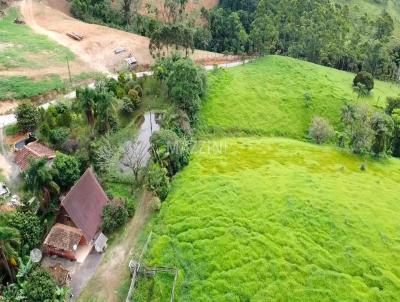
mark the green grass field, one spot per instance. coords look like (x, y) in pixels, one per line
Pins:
(267, 97)
(263, 218)
(271, 219)
(20, 87)
(21, 47)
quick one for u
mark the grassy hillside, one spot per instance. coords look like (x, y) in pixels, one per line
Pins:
(268, 97)
(32, 64)
(260, 219)
(21, 47)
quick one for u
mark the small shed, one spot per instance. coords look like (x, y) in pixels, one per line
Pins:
(100, 243)
(131, 62)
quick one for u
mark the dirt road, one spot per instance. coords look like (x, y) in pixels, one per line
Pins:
(113, 269)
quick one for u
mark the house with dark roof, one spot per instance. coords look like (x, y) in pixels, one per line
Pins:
(33, 150)
(79, 222)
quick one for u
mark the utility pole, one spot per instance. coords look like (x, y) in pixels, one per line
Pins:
(69, 71)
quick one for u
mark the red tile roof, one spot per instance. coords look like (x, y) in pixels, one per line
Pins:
(40, 150)
(63, 237)
(84, 204)
(31, 151)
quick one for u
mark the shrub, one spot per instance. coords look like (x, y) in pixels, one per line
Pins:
(58, 136)
(130, 206)
(114, 216)
(29, 226)
(396, 133)
(65, 170)
(158, 181)
(70, 146)
(364, 78)
(308, 99)
(392, 104)
(44, 130)
(27, 117)
(383, 127)
(40, 286)
(357, 121)
(101, 152)
(320, 130)
(129, 105)
(170, 150)
(155, 204)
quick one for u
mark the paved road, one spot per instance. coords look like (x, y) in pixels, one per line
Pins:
(9, 119)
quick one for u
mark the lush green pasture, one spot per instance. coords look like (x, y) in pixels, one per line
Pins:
(21, 47)
(268, 97)
(273, 219)
(20, 87)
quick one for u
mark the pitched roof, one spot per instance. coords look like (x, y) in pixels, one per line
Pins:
(63, 237)
(84, 204)
(40, 150)
(32, 150)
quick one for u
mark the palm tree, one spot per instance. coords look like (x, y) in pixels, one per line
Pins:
(38, 178)
(105, 107)
(86, 99)
(9, 243)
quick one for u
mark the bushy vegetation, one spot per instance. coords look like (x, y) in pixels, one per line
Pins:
(29, 227)
(66, 170)
(115, 215)
(278, 218)
(27, 116)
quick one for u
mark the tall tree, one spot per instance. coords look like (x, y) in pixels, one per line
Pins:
(27, 117)
(126, 6)
(9, 244)
(105, 108)
(85, 99)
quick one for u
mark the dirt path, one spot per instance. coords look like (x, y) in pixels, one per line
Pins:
(6, 168)
(113, 269)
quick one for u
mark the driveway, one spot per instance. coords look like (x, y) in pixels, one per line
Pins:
(80, 273)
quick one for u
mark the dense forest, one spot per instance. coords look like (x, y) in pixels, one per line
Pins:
(318, 31)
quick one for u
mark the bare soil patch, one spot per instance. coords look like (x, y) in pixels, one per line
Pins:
(7, 106)
(192, 5)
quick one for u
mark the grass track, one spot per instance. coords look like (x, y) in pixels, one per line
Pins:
(271, 219)
(266, 97)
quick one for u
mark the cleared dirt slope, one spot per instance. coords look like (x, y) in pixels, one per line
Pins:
(97, 48)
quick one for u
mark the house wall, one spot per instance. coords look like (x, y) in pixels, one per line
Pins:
(61, 253)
